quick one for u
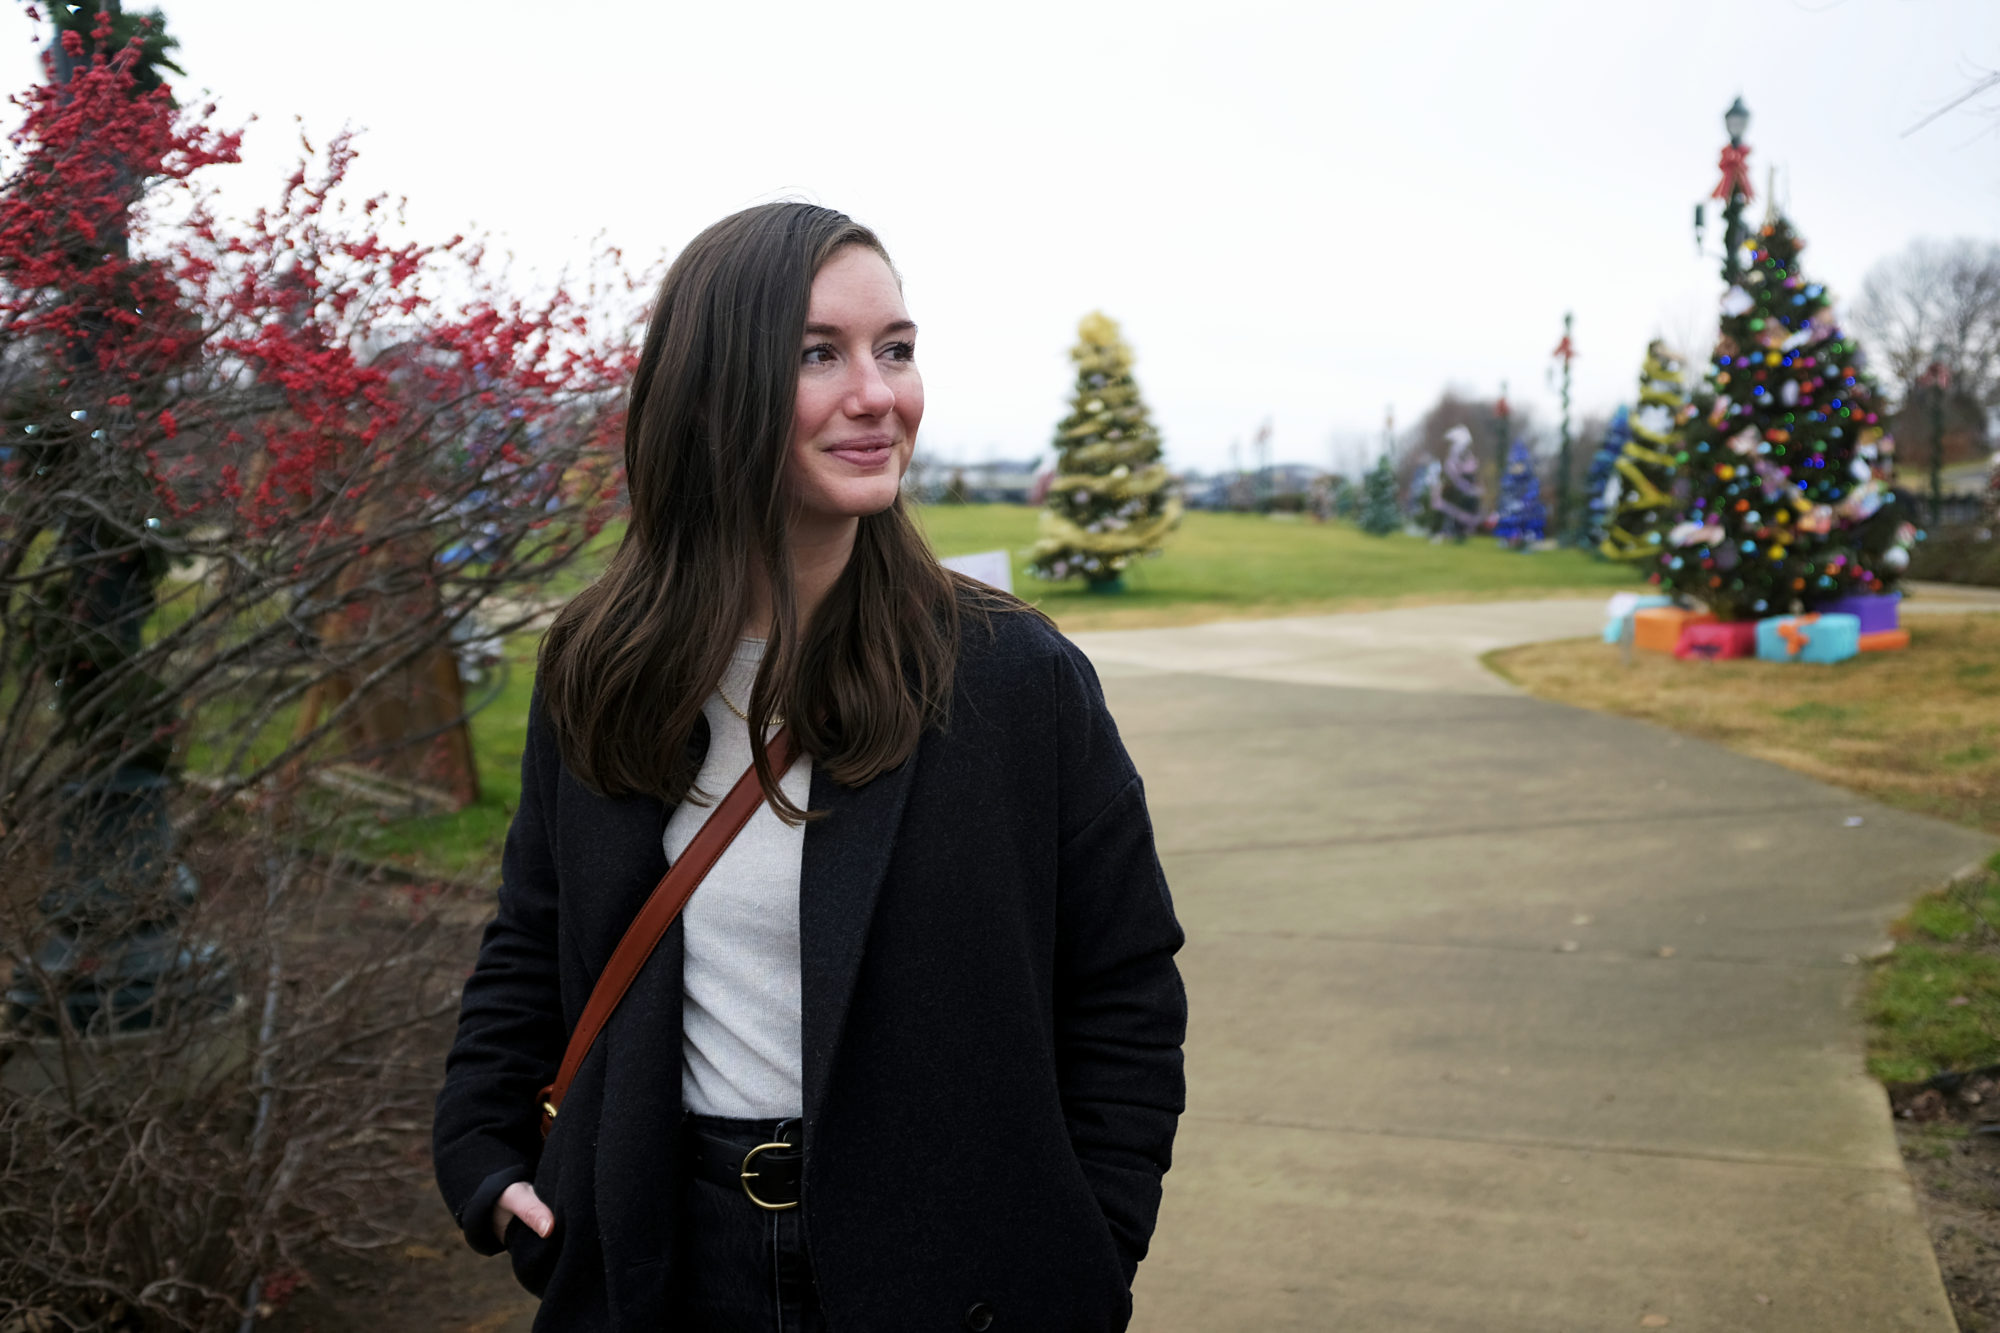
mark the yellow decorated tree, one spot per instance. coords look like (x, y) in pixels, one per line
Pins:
(1112, 501)
(1645, 506)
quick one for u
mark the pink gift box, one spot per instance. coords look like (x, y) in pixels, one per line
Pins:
(1718, 639)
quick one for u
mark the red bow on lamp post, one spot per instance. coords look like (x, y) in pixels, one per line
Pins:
(1735, 172)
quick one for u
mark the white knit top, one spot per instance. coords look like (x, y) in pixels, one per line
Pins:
(740, 991)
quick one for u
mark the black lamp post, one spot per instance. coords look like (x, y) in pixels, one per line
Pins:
(1565, 352)
(1734, 191)
(1937, 378)
(112, 953)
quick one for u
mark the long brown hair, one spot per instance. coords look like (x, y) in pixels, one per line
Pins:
(627, 664)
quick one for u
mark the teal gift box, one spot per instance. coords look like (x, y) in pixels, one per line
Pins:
(1618, 614)
(1819, 638)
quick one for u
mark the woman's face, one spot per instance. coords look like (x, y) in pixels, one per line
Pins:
(860, 396)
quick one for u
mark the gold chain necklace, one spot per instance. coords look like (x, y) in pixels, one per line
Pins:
(742, 716)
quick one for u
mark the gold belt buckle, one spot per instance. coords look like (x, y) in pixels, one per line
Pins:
(747, 1175)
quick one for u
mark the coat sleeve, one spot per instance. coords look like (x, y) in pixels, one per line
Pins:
(1120, 1010)
(486, 1132)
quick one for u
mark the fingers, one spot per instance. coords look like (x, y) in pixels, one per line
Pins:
(520, 1200)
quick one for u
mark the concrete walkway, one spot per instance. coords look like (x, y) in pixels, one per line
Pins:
(1508, 1016)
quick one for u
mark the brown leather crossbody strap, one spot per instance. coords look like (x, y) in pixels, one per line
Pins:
(731, 813)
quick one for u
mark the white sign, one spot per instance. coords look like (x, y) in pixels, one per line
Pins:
(990, 567)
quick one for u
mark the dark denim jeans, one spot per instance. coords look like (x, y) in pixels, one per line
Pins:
(745, 1270)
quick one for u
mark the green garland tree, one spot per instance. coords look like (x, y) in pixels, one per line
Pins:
(1380, 514)
(1112, 500)
(1648, 468)
(1788, 466)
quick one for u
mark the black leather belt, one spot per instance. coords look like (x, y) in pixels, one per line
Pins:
(764, 1159)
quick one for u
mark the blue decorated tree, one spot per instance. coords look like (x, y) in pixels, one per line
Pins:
(1521, 517)
(1603, 485)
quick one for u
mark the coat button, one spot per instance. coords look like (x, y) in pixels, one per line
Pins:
(979, 1318)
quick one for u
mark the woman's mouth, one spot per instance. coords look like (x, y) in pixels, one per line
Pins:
(864, 453)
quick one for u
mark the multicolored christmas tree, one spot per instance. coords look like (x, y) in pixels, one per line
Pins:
(1788, 468)
(1379, 513)
(1603, 485)
(1112, 500)
(1648, 468)
(1521, 518)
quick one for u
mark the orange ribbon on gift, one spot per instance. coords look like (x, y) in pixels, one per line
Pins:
(1793, 632)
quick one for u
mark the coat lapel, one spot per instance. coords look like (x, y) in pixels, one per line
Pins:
(637, 1063)
(846, 855)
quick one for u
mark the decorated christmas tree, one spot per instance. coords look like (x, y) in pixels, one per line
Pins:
(1379, 513)
(1457, 497)
(1111, 501)
(1601, 488)
(1789, 471)
(1648, 468)
(1521, 518)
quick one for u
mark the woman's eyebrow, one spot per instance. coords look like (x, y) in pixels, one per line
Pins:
(834, 330)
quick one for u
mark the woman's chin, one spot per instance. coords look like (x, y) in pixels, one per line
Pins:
(856, 499)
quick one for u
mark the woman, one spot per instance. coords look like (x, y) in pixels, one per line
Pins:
(929, 990)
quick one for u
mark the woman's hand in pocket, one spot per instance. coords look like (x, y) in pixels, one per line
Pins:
(520, 1200)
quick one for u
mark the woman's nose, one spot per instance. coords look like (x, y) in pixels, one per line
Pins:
(872, 395)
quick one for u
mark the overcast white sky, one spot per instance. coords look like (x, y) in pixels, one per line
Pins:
(1303, 212)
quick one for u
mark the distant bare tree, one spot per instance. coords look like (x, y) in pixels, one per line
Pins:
(1688, 326)
(1936, 301)
(1979, 94)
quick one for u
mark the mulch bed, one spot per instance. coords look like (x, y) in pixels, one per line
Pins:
(1949, 1132)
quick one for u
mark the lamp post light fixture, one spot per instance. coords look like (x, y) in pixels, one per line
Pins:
(1736, 120)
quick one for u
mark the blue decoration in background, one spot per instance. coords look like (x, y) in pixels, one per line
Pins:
(1521, 518)
(1598, 486)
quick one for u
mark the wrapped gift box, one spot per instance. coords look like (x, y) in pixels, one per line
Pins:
(1618, 612)
(1815, 638)
(1885, 641)
(1877, 611)
(1714, 641)
(1657, 629)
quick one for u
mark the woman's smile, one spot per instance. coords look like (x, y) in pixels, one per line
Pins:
(868, 452)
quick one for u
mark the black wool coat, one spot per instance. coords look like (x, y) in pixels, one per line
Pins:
(992, 1027)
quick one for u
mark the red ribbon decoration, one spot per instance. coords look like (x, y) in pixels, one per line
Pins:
(1735, 172)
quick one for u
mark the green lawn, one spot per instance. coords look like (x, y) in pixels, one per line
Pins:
(1218, 567)
(1242, 566)
(466, 845)
(1934, 1003)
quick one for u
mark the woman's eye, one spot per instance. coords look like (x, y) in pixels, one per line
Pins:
(900, 351)
(819, 355)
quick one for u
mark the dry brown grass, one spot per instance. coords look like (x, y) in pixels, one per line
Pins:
(1918, 729)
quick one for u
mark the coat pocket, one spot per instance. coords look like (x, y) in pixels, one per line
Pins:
(534, 1257)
